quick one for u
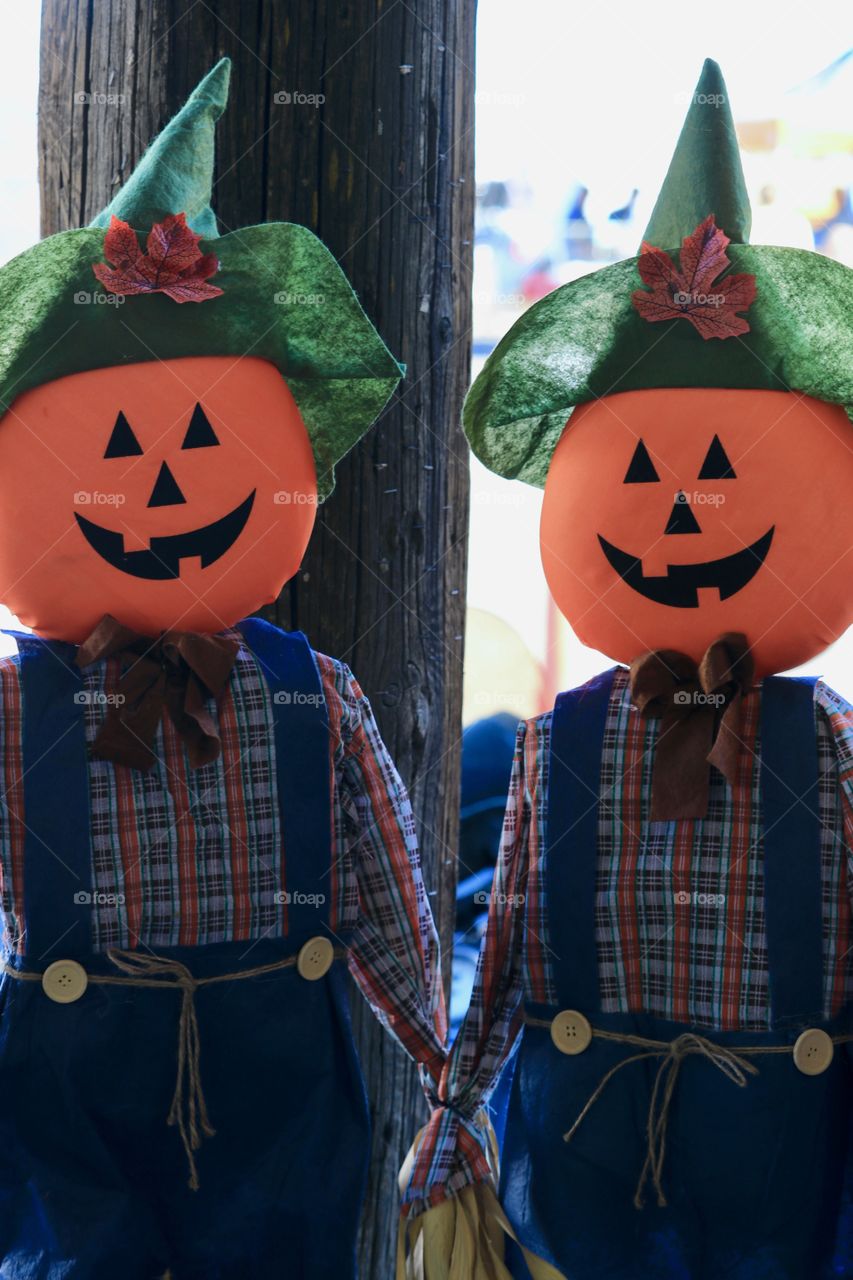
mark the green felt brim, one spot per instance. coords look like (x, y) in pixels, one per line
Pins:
(284, 299)
(586, 340)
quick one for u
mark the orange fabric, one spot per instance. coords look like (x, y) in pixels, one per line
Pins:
(52, 466)
(793, 465)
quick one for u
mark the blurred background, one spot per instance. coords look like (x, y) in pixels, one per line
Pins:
(578, 109)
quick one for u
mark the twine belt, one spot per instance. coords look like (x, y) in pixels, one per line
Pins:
(733, 1064)
(189, 1108)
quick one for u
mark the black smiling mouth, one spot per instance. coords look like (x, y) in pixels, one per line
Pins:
(680, 584)
(162, 560)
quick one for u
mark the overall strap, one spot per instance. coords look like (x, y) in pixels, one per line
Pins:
(57, 842)
(303, 768)
(792, 876)
(574, 780)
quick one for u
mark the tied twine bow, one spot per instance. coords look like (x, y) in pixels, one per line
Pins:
(189, 1109)
(177, 672)
(700, 712)
(733, 1065)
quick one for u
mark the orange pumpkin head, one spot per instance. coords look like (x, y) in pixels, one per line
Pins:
(673, 516)
(175, 494)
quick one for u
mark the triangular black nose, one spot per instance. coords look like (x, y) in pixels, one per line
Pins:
(166, 492)
(681, 518)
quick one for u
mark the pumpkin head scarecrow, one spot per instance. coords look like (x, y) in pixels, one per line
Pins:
(670, 940)
(201, 828)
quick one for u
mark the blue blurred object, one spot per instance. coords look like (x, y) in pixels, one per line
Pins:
(488, 746)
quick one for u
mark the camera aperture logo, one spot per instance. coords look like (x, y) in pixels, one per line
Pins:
(294, 497)
(294, 98)
(96, 498)
(485, 897)
(98, 698)
(699, 499)
(684, 899)
(83, 898)
(293, 898)
(295, 697)
(697, 698)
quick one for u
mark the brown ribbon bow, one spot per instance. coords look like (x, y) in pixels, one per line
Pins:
(177, 672)
(700, 712)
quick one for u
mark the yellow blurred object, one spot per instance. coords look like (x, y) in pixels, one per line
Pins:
(539, 1268)
(460, 1239)
(501, 674)
(463, 1237)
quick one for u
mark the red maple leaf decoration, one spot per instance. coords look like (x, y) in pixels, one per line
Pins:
(689, 291)
(172, 262)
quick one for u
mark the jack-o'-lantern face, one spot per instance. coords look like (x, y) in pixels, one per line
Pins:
(172, 495)
(673, 516)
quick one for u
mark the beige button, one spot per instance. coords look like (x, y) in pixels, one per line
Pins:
(64, 981)
(813, 1052)
(315, 959)
(571, 1032)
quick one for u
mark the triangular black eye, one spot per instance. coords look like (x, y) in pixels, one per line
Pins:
(641, 469)
(716, 465)
(122, 443)
(200, 434)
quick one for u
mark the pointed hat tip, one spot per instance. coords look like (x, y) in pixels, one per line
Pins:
(705, 174)
(176, 172)
(710, 77)
(214, 86)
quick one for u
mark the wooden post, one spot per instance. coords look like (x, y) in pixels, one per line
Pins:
(356, 119)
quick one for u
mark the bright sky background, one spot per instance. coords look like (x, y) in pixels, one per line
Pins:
(19, 28)
(601, 87)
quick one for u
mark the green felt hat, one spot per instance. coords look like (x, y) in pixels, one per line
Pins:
(588, 339)
(284, 297)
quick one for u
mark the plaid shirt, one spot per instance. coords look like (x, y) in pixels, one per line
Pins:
(193, 857)
(680, 922)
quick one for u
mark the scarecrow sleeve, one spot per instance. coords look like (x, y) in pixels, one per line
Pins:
(449, 1180)
(839, 715)
(394, 954)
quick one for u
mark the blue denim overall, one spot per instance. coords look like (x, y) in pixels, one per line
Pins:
(756, 1178)
(93, 1183)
